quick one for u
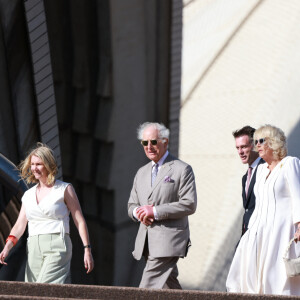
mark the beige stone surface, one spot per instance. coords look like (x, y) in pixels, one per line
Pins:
(46, 291)
(241, 66)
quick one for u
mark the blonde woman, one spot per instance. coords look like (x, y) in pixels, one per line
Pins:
(46, 208)
(258, 265)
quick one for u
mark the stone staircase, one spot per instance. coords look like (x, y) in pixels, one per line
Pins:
(33, 291)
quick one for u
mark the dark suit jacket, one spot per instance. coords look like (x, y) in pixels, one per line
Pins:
(249, 201)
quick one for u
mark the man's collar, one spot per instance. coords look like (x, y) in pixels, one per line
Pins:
(161, 161)
(255, 163)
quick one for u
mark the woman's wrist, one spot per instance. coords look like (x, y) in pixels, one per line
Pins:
(9, 245)
(12, 239)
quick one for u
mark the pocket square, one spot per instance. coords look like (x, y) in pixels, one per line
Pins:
(168, 179)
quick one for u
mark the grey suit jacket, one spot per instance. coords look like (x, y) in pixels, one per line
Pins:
(174, 197)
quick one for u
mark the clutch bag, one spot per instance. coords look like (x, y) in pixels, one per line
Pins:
(292, 265)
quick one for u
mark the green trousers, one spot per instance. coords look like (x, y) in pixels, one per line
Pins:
(48, 258)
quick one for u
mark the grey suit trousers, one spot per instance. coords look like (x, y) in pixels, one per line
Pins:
(160, 273)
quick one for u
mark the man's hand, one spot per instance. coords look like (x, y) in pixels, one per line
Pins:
(145, 214)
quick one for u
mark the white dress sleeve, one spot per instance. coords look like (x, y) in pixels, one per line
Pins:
(292, 174)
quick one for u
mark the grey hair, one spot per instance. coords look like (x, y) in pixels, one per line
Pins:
(163, 131)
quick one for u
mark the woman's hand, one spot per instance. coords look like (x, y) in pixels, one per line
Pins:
(5, 252)
(297, 234)
(3, 255)
(88, 260)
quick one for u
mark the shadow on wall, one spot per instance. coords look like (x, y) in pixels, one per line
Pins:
(293, 141)
(216, 279)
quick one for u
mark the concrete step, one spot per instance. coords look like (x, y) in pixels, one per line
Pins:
(19, 297)
(22, 290)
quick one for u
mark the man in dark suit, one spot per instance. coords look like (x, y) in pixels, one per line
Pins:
(162, 197)
(244, 145)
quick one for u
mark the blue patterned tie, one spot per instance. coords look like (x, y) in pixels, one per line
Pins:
(154, 173)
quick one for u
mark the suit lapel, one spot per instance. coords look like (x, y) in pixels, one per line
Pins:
(251, 185)
(146, 178)
(164, 170)
(243, 190)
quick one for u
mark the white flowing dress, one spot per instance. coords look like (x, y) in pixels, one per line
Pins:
(258, 266)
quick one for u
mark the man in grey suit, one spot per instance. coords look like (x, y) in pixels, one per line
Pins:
(162, 197)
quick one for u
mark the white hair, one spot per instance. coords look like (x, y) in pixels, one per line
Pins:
(163, 131)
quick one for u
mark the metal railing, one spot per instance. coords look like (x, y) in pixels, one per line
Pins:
(12, 189)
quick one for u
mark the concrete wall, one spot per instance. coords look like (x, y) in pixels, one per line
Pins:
(111, 63)
(111, 69)
(18, 119)
(241, 62)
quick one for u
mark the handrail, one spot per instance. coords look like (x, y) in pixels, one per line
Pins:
(10, 177)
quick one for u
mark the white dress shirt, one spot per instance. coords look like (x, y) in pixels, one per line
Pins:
(253, 166)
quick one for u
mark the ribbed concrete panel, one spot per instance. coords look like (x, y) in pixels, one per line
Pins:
(140, 39)
(241, 62)
(40, 52)
(111, 68)
(18, 122)
(175, 74)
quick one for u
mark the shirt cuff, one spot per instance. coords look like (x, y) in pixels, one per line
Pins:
(134, 213)
(156, 217)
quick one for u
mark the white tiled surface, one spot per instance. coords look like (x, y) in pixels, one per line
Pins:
(241, 66)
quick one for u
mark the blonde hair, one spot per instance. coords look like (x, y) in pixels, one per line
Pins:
(275, 139)
(46, 155)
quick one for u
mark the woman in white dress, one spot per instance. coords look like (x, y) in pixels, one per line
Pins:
(46, 208)
(258, 265)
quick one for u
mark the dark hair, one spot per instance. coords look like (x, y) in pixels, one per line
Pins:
(246, 130)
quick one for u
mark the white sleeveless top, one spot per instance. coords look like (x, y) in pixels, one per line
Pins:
(51, 215)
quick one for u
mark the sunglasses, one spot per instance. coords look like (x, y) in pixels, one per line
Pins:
(260, 141)
(145, 143)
